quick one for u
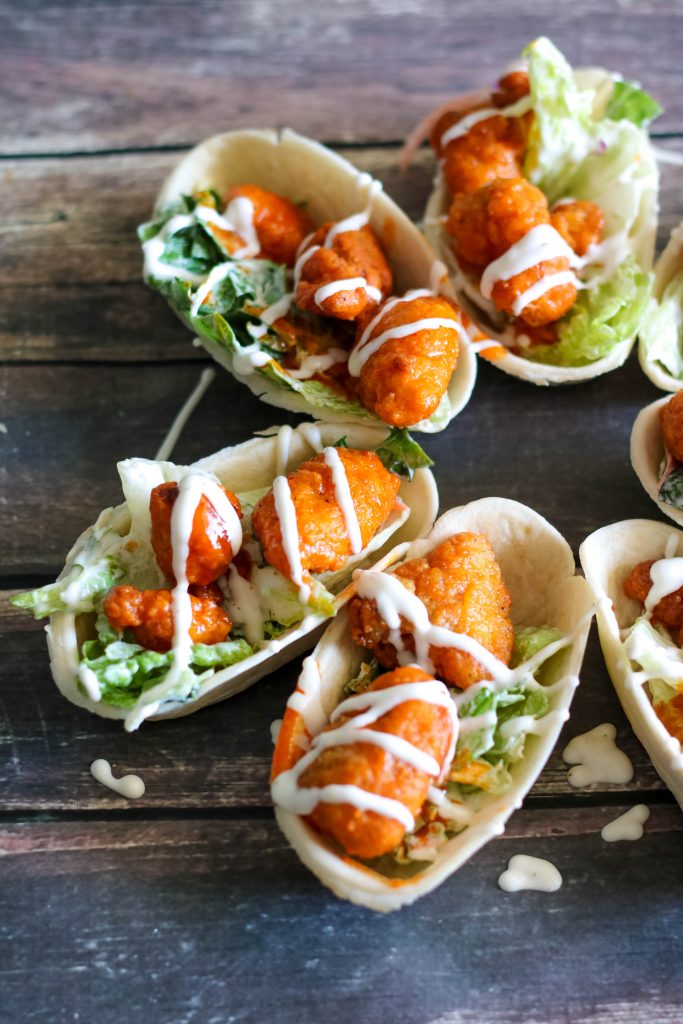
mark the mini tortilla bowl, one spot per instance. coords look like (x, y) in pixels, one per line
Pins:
(539, 571)
(607, 557)
(305, 171)
(668, 266)
(249, 466)
(647, 452)
(641, 242)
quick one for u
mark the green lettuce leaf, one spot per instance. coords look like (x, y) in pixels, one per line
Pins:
(601, 318)
(192, 249)
(661, 332)
(629, 102)
(402, 455)
(531, 640)
(84, 583)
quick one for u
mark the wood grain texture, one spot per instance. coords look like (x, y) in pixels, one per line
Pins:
(70, 263)
(217, 921)
(78, 78)
(219, 757)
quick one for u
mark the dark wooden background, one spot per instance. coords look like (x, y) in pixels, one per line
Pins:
(188, 906)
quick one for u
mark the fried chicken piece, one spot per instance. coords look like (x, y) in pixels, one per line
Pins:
(367, 834)
(670, 713)
(323, 535)
(149, 615)
(486, 223)
(511, 87)
(669, 611)
(491, 149)
(581, 223)
(210, 550)
(671, 418)
(404, 380)
(280, 224)
(461, 586)
(351, 254)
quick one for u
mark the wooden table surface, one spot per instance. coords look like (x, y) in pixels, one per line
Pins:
(188, 906)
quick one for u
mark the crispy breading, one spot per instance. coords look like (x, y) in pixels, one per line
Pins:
(210, 551)
(581, 223)
(280, 224)
(405, 379)
(352, 254)
(669, 611)
(148, 614)
(462, 588)
(323, 535)
(491, 149)
(367, 834)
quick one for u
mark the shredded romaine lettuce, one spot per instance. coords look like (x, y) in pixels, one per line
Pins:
(661, 332)
(630, 102)
(75, 592)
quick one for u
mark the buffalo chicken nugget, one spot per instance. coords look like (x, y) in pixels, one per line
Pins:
(404, 380)
(461, 586)
(210, 550)
(490, 150)
(352, 254)
(323, 536)
(671, 418)
(487, 223)
(428, 727)
(669, 611)
(148, 614)
(580, 222)
(280, 224)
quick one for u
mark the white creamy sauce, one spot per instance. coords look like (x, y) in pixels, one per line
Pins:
(90, 682)
(342, 494)
(243, 606)
(372, 706)
(525, 872)
(449, 809)
(286, 513)
(462, 127)
(239, 215)
(178, 425)
(191, 489)
(596, 758)
(628, 826)
(362, 352)
(542, 287)
(283, 444)
(311, 365)
(270, 314)
(667, 577)
(153, 250)
(130, 786)
(275, 727)
(251, 357)
(306, 699)
(538, 245)
(347, 284)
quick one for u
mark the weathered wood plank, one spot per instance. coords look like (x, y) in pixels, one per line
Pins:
(70, 266)
(69, 425)
(175, 921)
(72, 81)
(219, 757)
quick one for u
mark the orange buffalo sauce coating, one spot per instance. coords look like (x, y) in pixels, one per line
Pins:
(323, 536)
(486, 223)
(461, 586)
(491, 149)
(280, 224)
(367, 834)
(406, 378)
(148, 614)
(669, 611)
(670, 713)
(352, 254)
(581, 223)
(210, 551)
(671, 418)
(511, 87)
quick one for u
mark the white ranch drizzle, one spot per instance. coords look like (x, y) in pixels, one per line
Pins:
(311, 365)
(130, 786)
(628, 826)
(154, 247)
(243, 605)
(283, 443)
(239, 217)
(306, 699)
(372, 705)
(90, 682)
(363, 350)
(525, 872)
(539, 244)
(220, 271)
(449, 810)
(178, 425)
(342, 494)
(596, 758)
(540, 288)
(191, 489)
(270, 314)
(667, 577)
(246, 360)
(463, 126)
(286, 513)
(347, 284)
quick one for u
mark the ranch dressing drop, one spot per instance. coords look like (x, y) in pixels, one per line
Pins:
(525, 872)
(597, 758)
(628, 826)
(130, 786)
